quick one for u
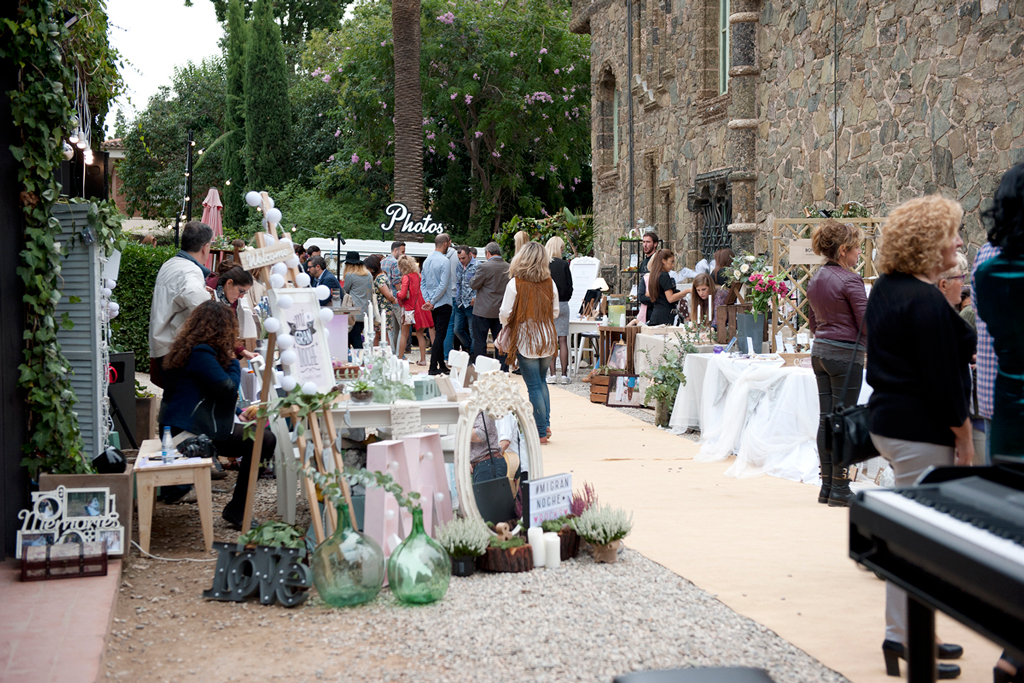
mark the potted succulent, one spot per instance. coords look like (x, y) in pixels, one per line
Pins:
(603, 528)
(465, 540)
(361, 391)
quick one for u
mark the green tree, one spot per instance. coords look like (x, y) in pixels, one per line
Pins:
(297, 19)
(506, 107)
(235, 212)
(153, 170)
(267, 109)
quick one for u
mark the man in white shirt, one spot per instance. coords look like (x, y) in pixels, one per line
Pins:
(180, 287)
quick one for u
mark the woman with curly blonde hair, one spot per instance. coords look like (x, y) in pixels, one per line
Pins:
(919, 350)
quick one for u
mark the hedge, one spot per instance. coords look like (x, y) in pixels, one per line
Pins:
(134, 292)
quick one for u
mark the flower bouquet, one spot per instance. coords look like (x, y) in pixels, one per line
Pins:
(761, 285)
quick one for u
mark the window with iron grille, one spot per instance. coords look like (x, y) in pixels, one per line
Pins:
(711, 200)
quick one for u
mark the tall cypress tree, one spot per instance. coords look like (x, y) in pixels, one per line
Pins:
(234, 164)
(268, 138)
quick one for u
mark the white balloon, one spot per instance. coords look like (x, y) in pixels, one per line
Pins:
(288, 382)
(309, 388)
(112, 314)
(327, 333)
(252, 198)
(292, 262)
(285, 341)
(289, 357)
(279, 268)
(110, 284)
(271, 325)
(323, 292)
(439, 496)
(277, 281)
(326, 315)
(302, 280)
(114, 306)
(288, 241)
(270, 239)
(105, 292)
(271, 200)
(285, 301)
(274, 216)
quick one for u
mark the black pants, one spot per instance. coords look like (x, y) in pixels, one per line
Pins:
(830, 375)
(442, 316)
(481, 326)
(235, 446)
(355, 336)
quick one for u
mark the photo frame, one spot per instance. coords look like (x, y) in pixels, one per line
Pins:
(301, 319)
(618, 357)
(80, 515)
(624, 392)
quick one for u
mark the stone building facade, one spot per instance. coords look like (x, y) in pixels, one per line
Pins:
(742, 111)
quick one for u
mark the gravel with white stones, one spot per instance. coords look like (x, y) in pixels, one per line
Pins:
(581, 622)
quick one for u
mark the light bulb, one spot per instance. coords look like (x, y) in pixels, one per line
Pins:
(228, 181)
(186, 174)
(188, 199)
(81, 144)
(73, 138)
(193, 143)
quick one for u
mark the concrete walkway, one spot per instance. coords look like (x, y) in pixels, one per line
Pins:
(763, 546)
(55, 631)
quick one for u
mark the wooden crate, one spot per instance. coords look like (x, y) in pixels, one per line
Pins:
(727, 320)
(610, 336)
(599, 389)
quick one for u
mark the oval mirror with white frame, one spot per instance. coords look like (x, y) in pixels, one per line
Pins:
(496, 418)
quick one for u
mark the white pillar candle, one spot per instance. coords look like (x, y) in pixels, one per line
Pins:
(535, 536)
(552, 550)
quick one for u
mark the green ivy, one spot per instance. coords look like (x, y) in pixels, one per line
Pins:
(136, 279)
(275, 535)
(44, 51)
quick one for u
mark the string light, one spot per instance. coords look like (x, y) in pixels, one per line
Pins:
(193, 143)
(228, 181)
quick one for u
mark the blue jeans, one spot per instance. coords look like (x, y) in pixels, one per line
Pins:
(461, 327)
(534, 371)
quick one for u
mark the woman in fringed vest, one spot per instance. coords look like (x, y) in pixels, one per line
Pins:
(529, 310)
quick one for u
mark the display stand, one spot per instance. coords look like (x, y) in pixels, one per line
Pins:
(262, 272)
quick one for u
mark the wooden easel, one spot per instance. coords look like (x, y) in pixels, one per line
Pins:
(313, 423)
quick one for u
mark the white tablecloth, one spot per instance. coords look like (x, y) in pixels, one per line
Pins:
(764, 413)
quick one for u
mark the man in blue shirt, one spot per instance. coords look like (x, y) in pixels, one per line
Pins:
(319, 275)
(462, 306)
(436, 288)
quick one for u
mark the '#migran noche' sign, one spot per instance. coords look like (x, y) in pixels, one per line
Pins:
(398, 214)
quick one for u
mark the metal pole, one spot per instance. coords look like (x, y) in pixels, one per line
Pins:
(188, 178)
(177, 233)
(337, 261)
(629, 94)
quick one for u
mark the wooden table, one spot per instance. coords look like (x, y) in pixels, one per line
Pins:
(149, 474)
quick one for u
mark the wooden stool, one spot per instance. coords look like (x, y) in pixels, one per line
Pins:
(149, 474)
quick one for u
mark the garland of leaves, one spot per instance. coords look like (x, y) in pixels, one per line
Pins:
(44, 50)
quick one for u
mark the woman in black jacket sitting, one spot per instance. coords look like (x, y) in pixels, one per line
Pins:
(201, 377)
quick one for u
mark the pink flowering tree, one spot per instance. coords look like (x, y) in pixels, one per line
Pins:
(506, 108)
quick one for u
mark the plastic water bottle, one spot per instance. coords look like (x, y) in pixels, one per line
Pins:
(167, 452)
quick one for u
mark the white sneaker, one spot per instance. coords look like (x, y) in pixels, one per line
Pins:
(550, 379)
(565, 379)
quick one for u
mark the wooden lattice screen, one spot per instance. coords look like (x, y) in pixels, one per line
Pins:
(783, 230)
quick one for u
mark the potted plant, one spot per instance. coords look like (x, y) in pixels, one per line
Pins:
(761, 286)
(603, 528)
(665, 377)
(146, 407)
(274, 534)
(361, 391)
(465, 540)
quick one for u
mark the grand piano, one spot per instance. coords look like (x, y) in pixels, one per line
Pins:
(954, 542)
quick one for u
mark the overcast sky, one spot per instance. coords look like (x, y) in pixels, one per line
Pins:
(154, 36)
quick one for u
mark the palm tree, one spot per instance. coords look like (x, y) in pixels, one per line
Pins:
(405, 30)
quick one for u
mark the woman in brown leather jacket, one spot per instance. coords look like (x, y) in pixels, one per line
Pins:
(837, 304)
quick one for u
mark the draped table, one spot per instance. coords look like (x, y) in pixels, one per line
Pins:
(763, 412)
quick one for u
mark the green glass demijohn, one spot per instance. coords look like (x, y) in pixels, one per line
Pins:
(419, 569)
(348, 568)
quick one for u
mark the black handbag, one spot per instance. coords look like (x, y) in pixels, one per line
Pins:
(494, 497)
(851, 427)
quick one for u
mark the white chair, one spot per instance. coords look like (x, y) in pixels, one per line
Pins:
(586, 344)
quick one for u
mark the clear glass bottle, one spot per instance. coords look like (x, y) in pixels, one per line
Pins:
(348, 568)
(419, 569)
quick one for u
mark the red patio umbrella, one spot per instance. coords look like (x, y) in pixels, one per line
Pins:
(212, 209)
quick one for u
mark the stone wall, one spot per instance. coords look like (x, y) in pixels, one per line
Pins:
(931, 99)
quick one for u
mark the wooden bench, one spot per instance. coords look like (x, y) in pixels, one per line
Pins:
(151, 473)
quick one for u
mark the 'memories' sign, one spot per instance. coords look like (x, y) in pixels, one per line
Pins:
(398, 213)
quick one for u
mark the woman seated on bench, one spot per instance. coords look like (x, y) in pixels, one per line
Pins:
(201, 390)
